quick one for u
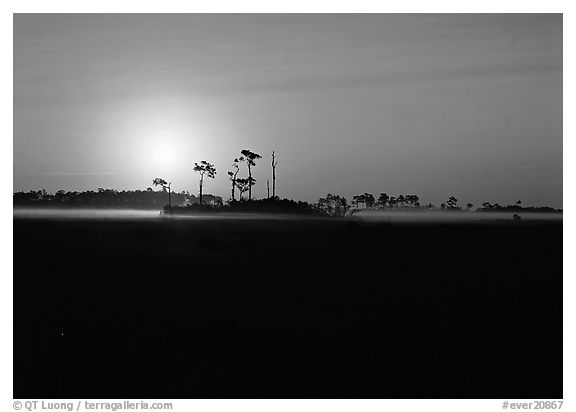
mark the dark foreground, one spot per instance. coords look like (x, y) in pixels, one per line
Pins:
(286, 308)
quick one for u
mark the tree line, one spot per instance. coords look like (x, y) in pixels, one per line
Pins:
(331, 204)
(106, 198)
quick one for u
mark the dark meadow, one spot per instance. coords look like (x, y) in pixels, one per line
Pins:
(286, 307)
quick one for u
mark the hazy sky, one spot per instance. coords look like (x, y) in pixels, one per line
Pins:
(435, 105)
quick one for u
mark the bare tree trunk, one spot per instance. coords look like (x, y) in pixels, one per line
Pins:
(170, 199)
(268, 187)
(233, 187)
(274, 163)
(201, 182)
(249, 182)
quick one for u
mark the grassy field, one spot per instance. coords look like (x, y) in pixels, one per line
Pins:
(156, 308)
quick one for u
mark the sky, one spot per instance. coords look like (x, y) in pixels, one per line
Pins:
(435, 105)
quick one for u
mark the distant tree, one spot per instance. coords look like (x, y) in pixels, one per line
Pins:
(443, 206)
(392, 201)
(243, 185)
(60, 195)
(205, 169)
(383, 200)
(233, 174)
(469, 206)
(325, 206)
(250, 158)
(452, 203)
(412, 200)
(369, 200)
(356, 200)
(409, 200)
(165, 186)
(401, 200)
(340, 204)
(333, 205)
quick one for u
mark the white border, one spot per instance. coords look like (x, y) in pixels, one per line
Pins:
(292, 6)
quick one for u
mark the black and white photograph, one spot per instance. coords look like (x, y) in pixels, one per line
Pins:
(287, 206)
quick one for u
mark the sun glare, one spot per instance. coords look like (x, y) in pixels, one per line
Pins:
(163, 154)
(163, 151)
(160, 137)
